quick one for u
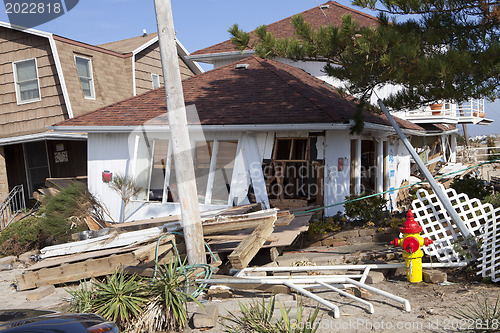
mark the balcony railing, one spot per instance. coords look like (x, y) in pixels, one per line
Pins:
(470, 112)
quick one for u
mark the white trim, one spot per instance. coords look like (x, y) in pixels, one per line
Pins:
(212, 57)
(62, 81)
(145, 45)
(23, 29)
(193, 65)
(134, 79)
(211, 172)
(16, 83)
(43, 136)
(91, 70)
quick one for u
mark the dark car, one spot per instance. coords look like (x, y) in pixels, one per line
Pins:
(50, 321)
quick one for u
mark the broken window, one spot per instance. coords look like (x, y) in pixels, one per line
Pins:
(154, 170)
(223, 172)
(294, 173)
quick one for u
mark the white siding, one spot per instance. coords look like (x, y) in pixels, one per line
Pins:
(107, 152)
(337, 145)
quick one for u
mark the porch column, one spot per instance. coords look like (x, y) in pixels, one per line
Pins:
(379, 179)
(453, 144)
(357, 168)
(4, 183)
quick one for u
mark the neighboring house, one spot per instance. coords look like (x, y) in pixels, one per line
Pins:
(271, 133)
(441, 124)
(45, 79)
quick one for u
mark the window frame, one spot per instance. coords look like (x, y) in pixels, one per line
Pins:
(91, 78)
(153, 75)
(16, 83)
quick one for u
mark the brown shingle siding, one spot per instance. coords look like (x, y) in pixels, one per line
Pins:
(112, 77)
(15, 119)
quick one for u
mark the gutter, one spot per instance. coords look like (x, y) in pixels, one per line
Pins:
(242, 128)
(210, 57)
(43, 136)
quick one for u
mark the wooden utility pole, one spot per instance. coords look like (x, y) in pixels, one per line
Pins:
(184, 168)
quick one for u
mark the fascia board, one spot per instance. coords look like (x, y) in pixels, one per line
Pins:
(210, 57)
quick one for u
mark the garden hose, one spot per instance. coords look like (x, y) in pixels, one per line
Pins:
(205, 274)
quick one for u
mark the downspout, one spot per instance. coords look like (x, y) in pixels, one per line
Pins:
(133, 75)
(60, 74)
(432, 182)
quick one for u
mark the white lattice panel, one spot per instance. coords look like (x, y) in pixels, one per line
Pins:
(489, 263)
(438, 226)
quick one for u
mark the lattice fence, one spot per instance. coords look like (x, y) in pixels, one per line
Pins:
(489, 263)
(480, 219)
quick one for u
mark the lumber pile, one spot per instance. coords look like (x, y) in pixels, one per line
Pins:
(85, 265)
(239, 232)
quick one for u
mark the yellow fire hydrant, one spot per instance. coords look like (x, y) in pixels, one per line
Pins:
(411, 244)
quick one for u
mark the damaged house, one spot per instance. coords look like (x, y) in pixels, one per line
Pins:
(261, 130)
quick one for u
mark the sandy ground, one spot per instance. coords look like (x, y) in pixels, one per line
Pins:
(432, 306)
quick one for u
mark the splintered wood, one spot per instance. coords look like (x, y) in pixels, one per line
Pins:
(249, 247)
(133, 245)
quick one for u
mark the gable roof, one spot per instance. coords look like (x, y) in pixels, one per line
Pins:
(267, 92)
(130, 44)
(330, 12)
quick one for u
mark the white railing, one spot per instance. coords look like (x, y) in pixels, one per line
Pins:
(473, 108)
(12, 206)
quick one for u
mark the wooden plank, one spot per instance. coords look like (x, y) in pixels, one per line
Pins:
(285, 235)
(236, 237)
(249, 247)
(91, 267)
(160, 221)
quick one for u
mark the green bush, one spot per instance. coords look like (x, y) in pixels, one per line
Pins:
(326, 224)
(51, 221)
(259, 317)
(473, 186)
(140, 304)
(493, 199)
(370, 209)
(21, 236)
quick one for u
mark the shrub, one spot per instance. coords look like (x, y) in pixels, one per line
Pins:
(370, 209)
(140, 304)
(52, 220)
(482, 317)
(326, 224)
(493, 199)
(473, 186)
(259, 317)
(21, 236)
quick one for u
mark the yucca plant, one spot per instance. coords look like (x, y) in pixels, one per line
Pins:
(483, 317)
(120, 298)
(259, 317)
(170, 292)
(82, 299)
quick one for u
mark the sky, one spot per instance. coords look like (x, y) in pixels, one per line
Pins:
(198, 23)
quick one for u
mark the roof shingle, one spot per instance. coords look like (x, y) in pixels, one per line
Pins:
(267, 92)
(315, 16)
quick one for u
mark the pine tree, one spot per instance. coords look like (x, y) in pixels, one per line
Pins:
(447, 50)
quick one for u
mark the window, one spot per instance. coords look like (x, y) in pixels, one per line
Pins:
(156, 80)
(154, 170)
(84, 68)
(26, 78)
